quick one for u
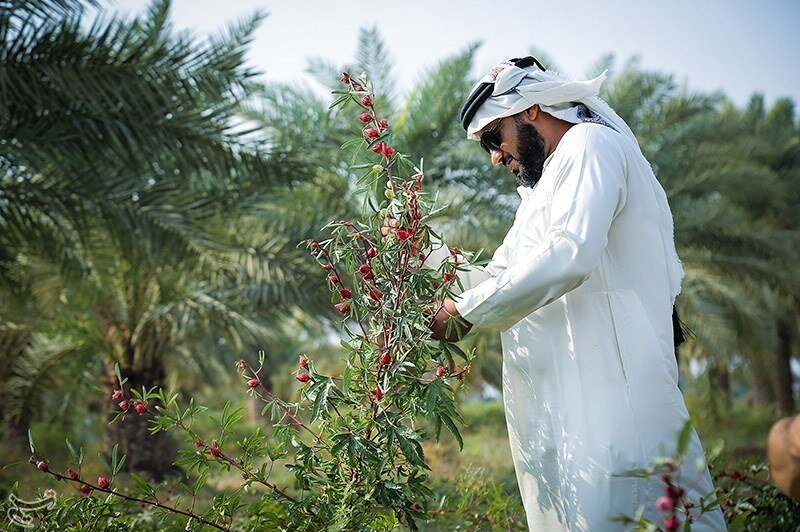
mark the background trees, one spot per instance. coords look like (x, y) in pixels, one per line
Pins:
(153, 191)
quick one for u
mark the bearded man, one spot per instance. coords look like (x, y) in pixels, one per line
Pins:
(582, 289)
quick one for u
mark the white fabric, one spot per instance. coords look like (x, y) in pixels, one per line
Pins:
(581, 292)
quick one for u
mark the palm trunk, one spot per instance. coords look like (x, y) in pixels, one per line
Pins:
(785, 392)
(148, 455)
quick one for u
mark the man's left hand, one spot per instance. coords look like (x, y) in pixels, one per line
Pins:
(448, 316)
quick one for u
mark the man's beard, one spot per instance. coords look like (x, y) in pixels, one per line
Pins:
(530, 147)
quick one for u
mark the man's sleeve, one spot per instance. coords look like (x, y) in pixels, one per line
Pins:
(474, 275)
(589, 190)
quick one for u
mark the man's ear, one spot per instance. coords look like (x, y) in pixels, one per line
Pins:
(531, 112)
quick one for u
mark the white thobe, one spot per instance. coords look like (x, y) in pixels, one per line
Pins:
(582, 288)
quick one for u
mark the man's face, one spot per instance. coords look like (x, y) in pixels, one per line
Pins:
(521, 149)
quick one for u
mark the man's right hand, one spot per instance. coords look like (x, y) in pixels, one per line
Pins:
(390, 225)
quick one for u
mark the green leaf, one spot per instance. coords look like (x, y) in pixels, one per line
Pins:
(684, 437)
(453, 430)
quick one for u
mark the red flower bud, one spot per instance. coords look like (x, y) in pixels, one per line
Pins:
(736, 475)
(387, 151)
(675, 492)
(447, 276)
(116, 395)
(342, 307)
(41, 466)
(86, 490)
(333, 278)
(386, 358)
(365, 117)
(358, 87)
(436, 284)
(377, 147)
(303, 377)
(345, 293)
(103, 483)
(416, 188)
(214, 451)
(371, 133)
(402, 234)
(377, 392)
(123, 405)
(252, 383)
(242, 365)
(140, 407)
(345, 77)
(671, 524)
(383, 124)
(370, 253)
(366, 101)
(416, 506)
(440, 371)
(365, 270)
(418, 215)
(375, 294)
(303, 362)
(327, 267)
(72, 474)
(664, 504)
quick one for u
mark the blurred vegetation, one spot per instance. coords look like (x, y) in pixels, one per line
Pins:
(153, 189)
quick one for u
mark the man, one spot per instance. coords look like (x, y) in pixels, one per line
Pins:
(582, 288)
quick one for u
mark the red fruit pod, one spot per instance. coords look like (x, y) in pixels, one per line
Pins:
(342, 307)
(116, 395)
(85, 489)
(371, 133)
(416, 506)
(303, 377)
(333, 278)
(364, 269)
(252, 383)
(345, 293)
(403, 234)
(327, 267)
(375, 294)
(440, 371)
(103, 483)
(365, 117)
(671, 524)
(370, 253)
(41, 466)
(140, 407)
(387, 151)
(386, 358)
(71, 473)
(377, 147)
(383, 124)
(303, 362)
(447, 276)
(377, 392)
(123, 405)
(345, 77)
(215, 451)
(366, 101)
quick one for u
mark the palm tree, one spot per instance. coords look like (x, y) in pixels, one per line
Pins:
(129, 204)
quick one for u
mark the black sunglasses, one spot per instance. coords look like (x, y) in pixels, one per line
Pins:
(491, 140)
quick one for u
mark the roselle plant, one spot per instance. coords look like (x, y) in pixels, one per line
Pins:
(353, 441)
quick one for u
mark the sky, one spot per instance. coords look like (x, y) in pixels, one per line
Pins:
(740, 47)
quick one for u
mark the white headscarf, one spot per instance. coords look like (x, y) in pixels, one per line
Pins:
(517, 89)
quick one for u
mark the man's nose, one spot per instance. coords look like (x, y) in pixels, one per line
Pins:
(497, 156)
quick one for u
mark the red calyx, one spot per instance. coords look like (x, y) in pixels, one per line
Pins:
(103, 483)
(41, 466)
(85, 489)
(447, 276)
(123, 405)
(386, 358)
(378, 147)
(345, 77)
(116, 395)
(371, 133)
(333, 278)
(214, 451)
(327, 267)
(370, 253)
(252, 383)
(377, 392)
(366, 101)
(71, 473)
(342, 307)
(403, 234)
(365, 117)
(140, 407)
(366, 271)
(440, 371)
(303, 362)
(303, 377)
(387, 151)
(671, 524)
(345, 293)
(383, 124)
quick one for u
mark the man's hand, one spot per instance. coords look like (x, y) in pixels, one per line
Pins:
(448, 316)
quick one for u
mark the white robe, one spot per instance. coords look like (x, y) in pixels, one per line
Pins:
(582, 289)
